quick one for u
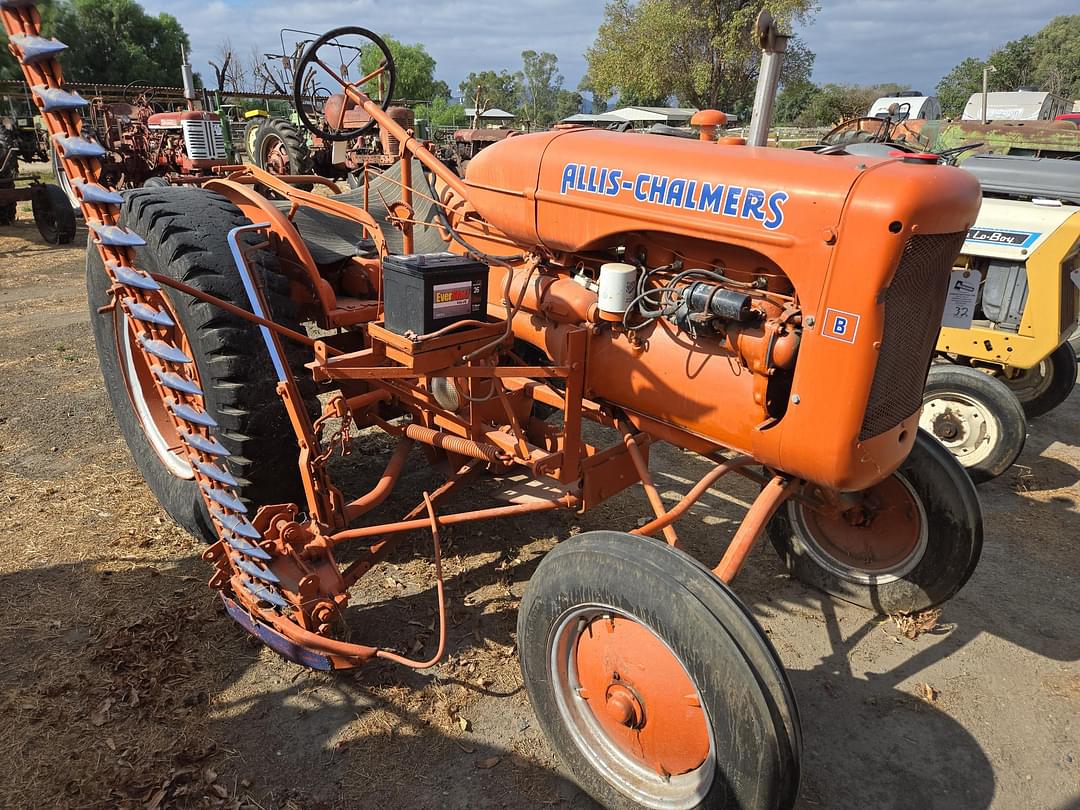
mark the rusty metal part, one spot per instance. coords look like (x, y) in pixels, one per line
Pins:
(641, 695)
(454, 444)
(695, 493)
(642, 468)
(542, 505)
(772, 497)
(381, 491)
(398, 659)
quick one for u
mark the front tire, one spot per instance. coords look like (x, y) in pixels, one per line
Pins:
(908, 544)
(185, 230)
(653, 682)
(976, 417)
(1045, 386)
(281, 148)
(53, 215)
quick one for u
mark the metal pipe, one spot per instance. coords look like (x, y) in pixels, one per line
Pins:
(773, 46)
(513, 510)
(381, 491)
(765, 505)
(647, 484)
(694, 494)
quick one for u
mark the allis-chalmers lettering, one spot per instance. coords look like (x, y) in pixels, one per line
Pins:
(679, 192)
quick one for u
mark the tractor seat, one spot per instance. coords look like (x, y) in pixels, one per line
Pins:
(332, 239)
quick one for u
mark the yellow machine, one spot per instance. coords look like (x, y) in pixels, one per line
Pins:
(1004, 351)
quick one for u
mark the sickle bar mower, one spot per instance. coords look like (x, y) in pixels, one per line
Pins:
(773, 313)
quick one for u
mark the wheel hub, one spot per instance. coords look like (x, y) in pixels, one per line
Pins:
(962, 424)
(643, 700)
(878, 540)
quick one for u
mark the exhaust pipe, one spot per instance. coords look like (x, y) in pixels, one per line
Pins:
(773, 47)
(189, 79)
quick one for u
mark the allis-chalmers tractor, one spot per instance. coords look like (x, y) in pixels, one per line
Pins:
(142, 146)
(577, 298)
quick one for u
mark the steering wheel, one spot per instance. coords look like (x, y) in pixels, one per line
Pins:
(311, 61)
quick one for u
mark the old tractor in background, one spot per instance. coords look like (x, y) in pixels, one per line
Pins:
(1004, 354)
(324, 135)
(579, 297)
(144, 145)
(52, 214)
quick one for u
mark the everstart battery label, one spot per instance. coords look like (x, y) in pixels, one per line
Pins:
(453, 299)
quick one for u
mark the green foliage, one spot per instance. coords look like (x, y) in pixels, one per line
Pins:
(834, 103)
(487, 89)
(540, 89)
(956, 87)
(1056, 56)
(440, 113)
(701, 52)
(415, 70)
(117, 42)
(794, 100)
(1049, 59)
(111, 42)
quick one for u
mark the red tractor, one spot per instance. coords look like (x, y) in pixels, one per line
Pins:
(147, 147)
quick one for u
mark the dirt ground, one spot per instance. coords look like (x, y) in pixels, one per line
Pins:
(124, 685)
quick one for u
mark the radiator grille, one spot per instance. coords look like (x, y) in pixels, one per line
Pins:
(1070, 294)
(913, 306)
(204, 140)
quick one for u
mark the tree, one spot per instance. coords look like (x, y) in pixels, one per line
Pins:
(539, 88)
(487, 89)
(794, 100)
(415, 69)
(1056, 55)
(117, 42)
(599, 103)
(441, 113)
(958, 84)
(230, 72)
(834, 103)
(702, 52)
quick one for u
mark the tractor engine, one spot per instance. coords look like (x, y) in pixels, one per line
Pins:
(729, 288)
(187, 142)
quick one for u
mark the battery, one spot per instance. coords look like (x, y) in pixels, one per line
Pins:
(423, 292)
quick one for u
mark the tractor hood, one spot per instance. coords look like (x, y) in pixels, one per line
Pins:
(573, 189)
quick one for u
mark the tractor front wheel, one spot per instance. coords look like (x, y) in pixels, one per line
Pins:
(185, 231)
(281, 148)
(905, 544)
(976, 417)
(653, 682)
(53, 215)
(1043, 387)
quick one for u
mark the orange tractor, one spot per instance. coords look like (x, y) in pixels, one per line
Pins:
(578, 297)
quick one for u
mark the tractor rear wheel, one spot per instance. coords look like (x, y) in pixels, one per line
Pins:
(905, 544)
(185, 231)
(1043, 387)
(281, 148)
(653, 682)
(251, 136)
(53, 215)
(976, 417)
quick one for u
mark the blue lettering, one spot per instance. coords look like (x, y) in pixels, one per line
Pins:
(776, 213)
(657, 189)
(613, 178)
(753, 204)
(590, 185)
(601, 181)
(688, 200)
(580, 184)
(840, 325)
(711, 197)
(568, 173)
(675, 192)
(731, 201)
(639, 187)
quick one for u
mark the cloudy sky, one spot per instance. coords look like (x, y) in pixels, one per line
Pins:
(912, 42)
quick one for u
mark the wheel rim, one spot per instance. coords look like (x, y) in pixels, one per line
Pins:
(151, 411)
(963, 424)
(877, 541)
(631, 708)
(63, 181)
(276, 156)
(1030, 383)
